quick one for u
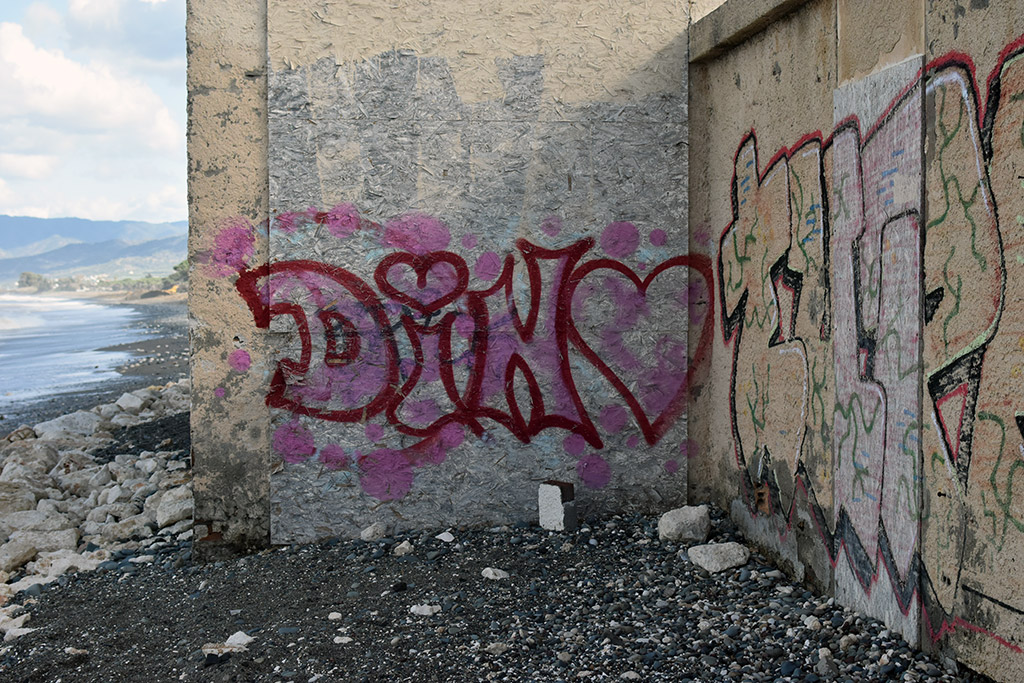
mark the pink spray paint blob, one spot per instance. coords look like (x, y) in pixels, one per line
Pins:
(294, 442)
(239, 360)
(417, 233)
(233, 248)
(620, 239)
(488, 266)
(551, 226)
(343, 220)
(613, 419)
(333, 457)
(658, 238)
(593, 471)
(387, 474)
(574, 445)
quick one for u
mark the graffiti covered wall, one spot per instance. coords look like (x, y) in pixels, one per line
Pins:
(867, 336)
(473, 274)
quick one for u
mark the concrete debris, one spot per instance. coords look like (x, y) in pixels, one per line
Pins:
(425, 610)
(374, 532)
(238, 642)
(717, 557)
(556, 506)
(494, 574)
(403, 548)
(690, 524)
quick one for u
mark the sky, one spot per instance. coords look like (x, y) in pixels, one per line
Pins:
(92, 109)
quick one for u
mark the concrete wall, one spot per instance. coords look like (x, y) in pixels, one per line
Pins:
(861, 414)
(447, 262)
(227, 153)
(435, 263)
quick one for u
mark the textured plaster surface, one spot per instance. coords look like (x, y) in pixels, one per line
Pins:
(788, 68)
(417, 159)
(603, 50)
(876, 239)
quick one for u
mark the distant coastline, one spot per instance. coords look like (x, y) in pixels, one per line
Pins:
(158, 357)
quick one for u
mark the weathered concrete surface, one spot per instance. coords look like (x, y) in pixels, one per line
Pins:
(869, 350)
(490, 288)
(874, 35)
(227, 192)
(876, 241)
(973, 353)
(777, 86)
(726, 24)
(430, 143)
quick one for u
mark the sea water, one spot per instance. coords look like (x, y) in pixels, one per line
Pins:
(50, 345)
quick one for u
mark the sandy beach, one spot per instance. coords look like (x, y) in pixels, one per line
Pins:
(161, 357)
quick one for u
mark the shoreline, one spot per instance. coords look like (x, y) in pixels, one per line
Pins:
(158, 358)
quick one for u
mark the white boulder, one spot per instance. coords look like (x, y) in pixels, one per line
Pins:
(717, 557)
(689, 524)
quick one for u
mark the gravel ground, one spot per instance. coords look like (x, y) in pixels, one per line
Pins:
(608, 602)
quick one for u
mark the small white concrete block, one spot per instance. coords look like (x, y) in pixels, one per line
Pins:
(556, 506)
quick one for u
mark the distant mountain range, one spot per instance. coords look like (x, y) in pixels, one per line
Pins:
(61, 247)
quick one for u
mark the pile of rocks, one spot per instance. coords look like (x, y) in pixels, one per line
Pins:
(69, 501)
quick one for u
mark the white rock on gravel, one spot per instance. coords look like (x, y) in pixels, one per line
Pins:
(60, 562)
(690, 524)
(8, 622)
(425, 610)
(46, 541)
(374, 532)
(445, 537)
(32, 520)
(16, 633)
(238, 642)
(130, 527)
(34, 480)
(717, 557)
(494, 574)
(32, 453)
(403, 548)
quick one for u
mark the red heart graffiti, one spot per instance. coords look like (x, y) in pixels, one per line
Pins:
(426, 297)
(655, 425)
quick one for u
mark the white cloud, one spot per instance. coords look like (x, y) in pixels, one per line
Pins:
(92, 116)
(44, 25)
(103, 12)
(46, 83)
(33, 166)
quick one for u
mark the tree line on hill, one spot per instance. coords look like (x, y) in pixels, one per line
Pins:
(177, 281)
